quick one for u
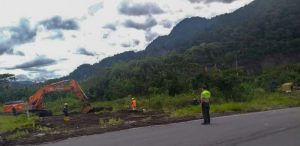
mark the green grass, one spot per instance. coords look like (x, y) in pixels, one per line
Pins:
(8, 123)
(154, 102)
(259, 103)
(57, 106)
(18, 134)
(181, 105)
(110, 122)
(116, 105)
(43, 129)
(186, 111)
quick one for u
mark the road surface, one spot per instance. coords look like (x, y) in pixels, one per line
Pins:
(270, 128)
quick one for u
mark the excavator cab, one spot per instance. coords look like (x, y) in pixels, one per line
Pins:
(18, 105)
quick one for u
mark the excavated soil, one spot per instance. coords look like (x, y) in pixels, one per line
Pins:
(87, 124)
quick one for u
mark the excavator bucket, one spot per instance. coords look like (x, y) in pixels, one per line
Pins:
(87, 108)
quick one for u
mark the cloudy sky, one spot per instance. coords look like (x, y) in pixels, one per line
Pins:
(43, 39)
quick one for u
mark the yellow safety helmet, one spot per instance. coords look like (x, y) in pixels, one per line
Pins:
(66, 104)
(132, 98)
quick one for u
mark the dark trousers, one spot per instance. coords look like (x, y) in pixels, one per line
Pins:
(205, 112)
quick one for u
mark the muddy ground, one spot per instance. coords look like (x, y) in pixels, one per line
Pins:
(55, 128)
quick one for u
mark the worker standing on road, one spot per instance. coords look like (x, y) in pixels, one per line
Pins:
(66, 112)
(133, 104)
(205, 100)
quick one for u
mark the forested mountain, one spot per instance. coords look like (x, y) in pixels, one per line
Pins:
(254, 41)
(262, 34)
(261, 20)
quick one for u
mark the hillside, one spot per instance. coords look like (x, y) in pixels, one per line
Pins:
(257, 44)
(86, 70)
(260, 35)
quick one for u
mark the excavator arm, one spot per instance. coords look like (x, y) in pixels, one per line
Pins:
(36, 101)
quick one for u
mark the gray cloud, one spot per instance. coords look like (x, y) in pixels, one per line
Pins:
(149, 22)
(105, 36)
(166, 23)
(198, 7)
(12, 52)
(19, 53)
(136, 42)
(22, 77)
(139, 9)
(57, 23)
(150, 36)
(43, 76)
(23, 33)
(58, 35)
(18, 35)
(34, 64)
(92, 10)
(63, 59)
(131, 44)
(210, 1)
(83, 51)
(126, 45)
(34, 70)
(110, 26)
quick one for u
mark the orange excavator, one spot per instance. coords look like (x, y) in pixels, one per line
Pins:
(35, 102)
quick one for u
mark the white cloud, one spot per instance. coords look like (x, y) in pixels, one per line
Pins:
(100, 30)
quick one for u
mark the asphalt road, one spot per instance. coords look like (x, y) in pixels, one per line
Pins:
(270, 128)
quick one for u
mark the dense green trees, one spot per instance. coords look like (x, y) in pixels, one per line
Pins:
(182, 73)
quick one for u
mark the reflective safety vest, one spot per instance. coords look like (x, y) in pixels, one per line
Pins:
(205, 94)
(133, 103)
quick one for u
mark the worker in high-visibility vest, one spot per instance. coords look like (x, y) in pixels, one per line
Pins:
(205, 101)
(66, 112)
(133, 104)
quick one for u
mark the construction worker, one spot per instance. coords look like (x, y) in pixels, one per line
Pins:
(133, 104)
(14, 110)
(205, 100)
(66, 112)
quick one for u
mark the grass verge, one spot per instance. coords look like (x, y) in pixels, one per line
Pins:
(263, 102)
(8, 123)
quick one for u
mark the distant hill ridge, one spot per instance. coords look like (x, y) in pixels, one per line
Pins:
(262, 34)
